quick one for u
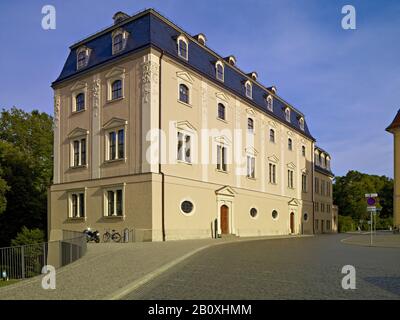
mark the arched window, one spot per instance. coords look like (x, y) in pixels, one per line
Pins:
(250, 125)
(272, 135)
(219, 69)
(183, 93)
(287, 114)
(80, 102)
(118, 42)
(116, 89)
(303, 151)
(82, 59)
(301, 123)
(270, 105)
(182, 48)
(249, 89)
(221, 111)
(290, 144)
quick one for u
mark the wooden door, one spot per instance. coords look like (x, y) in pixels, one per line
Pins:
(292, 222)
(224, 219)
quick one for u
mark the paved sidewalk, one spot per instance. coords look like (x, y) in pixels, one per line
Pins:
(109, 268)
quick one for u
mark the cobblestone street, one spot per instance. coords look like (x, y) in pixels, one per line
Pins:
(304, 268)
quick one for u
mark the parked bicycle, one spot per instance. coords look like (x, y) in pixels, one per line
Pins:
(113, 235)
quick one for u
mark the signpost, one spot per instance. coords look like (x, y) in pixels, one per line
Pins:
(371, 202)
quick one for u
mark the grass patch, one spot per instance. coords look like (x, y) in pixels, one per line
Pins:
(6, 283)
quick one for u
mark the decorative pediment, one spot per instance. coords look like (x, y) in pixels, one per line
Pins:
(273, 124)
(78, 132)
(225, 191)
(250, 111)
(291, 165)
(302, 141)
(290, 133)
(294, 202)
(222, 96)
(273, 158)
(305, 171)
(115, 72)
(79, 85)
(185, 76)
(251, 151)
(185, 125)
(114, 122)
(223, 140)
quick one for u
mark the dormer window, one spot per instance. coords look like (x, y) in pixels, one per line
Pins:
(270, 103)
(249, 89)
(287, 114)
(253, 75)
(201, 38)
(119, 38)
(82, 57)
(231, 60)
(301, 123)
(182, 47)
(219, 70)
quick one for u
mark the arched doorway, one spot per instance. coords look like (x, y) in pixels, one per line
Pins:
(292, 222)
(224, 219)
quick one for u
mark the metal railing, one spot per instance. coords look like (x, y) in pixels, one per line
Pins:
(129, 235)
(20, 262)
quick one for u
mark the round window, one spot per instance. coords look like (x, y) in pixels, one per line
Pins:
(187, 206)
(274, 214)
(253, 212)
(305, 217)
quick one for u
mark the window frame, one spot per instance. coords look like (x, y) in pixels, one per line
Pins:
(222, 158)
(219, 105)
(86, 52)
(270, 103)
(248, 88)
(73, 153)
(272, 136)
(193, 209)
(287, 114)
(250, 120)
(290, 179)
(290, 144)
(182, 39)
(106, 201)
(182, 149)
(219, 64)
(115, 131)
(79, 206)
(272, 173)
(181, 85)
(251, 166)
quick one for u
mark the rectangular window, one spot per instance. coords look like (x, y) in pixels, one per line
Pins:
(316, 185)
(221, 158)
(322, 207)
(272, 173)
(316, 225)
(317, 206)
(76, 153)
(328, 225)
(184, 147)
(114, 203)
(116, 145)
(290, 179)
(79, 153)
(304, 183)
(251, 163)
(121, 142)
(322, 187)
(112, 142)
(77, 206)
(83, 152)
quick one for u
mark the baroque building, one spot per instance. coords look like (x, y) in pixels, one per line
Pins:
(157, 133)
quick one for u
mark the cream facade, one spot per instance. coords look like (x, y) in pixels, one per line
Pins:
(147, 142)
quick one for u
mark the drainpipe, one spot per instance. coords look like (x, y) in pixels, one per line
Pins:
(160, 153)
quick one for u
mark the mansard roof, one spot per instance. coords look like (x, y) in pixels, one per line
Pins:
(150, 29)
(395, 123)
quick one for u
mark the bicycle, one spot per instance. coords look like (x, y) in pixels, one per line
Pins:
(113, 235)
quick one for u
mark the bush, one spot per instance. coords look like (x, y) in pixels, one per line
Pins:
(27, 236)
(346, 223)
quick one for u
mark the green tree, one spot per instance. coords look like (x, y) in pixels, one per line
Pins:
(27, 236)
(26, 141)
(349, 194)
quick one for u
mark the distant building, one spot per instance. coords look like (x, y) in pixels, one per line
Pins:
(235, 159)
(394, 128)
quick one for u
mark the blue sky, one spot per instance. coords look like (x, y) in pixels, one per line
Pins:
(346, 82)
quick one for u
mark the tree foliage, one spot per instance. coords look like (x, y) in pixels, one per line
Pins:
(27, 236)
(349, 194)
(26, 143)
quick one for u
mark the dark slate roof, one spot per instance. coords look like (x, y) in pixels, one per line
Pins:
(321, 169)
(149, 28)
(395, 123)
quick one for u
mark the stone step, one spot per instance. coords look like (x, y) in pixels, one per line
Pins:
(228, 236)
